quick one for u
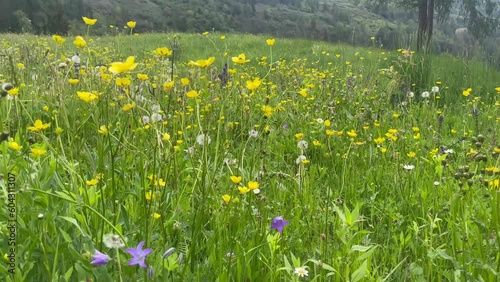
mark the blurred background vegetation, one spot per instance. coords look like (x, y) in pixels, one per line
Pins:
(340, 21)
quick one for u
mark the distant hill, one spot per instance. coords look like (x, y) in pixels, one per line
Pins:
(349, 21)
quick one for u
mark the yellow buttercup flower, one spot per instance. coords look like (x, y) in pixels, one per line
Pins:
(466, 92)
(168, 85)
(131, 24)
(121, 67)
(235, 179)
(92, 182)
(185, 81)
(193, 94)
(88, 21)
(156, 215)
(202, 63)
(243, 189)
(166, 137)
(150, 196)
(79, 42)
(163, 51)
(103, 129)
(226, 198)
(142, 76)
(128, 107)
(252, 85)
(73, 81)
(36, 152)
(58, 39)
(13, 92)
(38, 126)
(87, 96)
(122, 82)
(252, 185)
(14, 146)
(241, 59)
(270, 41)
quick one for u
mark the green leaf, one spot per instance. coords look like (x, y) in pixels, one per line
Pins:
(360, 273)
(68, 273)
(74, 222)
(66, 236)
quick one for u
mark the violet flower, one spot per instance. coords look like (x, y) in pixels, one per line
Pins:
(279, 223)
(139, 255)
(99, 258)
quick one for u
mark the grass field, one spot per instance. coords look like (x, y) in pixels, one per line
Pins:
(169, 157)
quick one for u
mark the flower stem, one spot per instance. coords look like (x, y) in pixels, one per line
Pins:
(119, 265)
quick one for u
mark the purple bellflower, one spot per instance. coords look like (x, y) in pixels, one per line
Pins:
(99, 258)
(139, 255)
(279, 223)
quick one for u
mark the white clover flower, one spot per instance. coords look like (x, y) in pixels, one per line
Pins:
(253, 133)
(435, 89)
(408, 167)
(411, 94)
(203, 139)
(113, 241)
(300, 159)
(320, 120)
(302, 144)
(425, 94)
(62, 65)
(301, 272)
(145, 119)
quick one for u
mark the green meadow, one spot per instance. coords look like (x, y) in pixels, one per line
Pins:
(231, 157)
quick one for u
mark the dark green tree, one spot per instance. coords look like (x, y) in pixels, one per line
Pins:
(477, 13)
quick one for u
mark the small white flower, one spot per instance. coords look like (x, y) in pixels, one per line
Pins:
(436, 183)
(319, 120)
(203, 139)
(449, 151)
(40, 216)
(145, 119)
(140, 98)
(425, 94)
(435, 89)
(408, 167)
(190, 150)
(302, 144)
(256, 191)
(253, 133)
(156, 108)
(300, 159)
(113, 241)
(411, 94)
(155, 117)
(301, 272)
(62, 65)
(76, 59)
